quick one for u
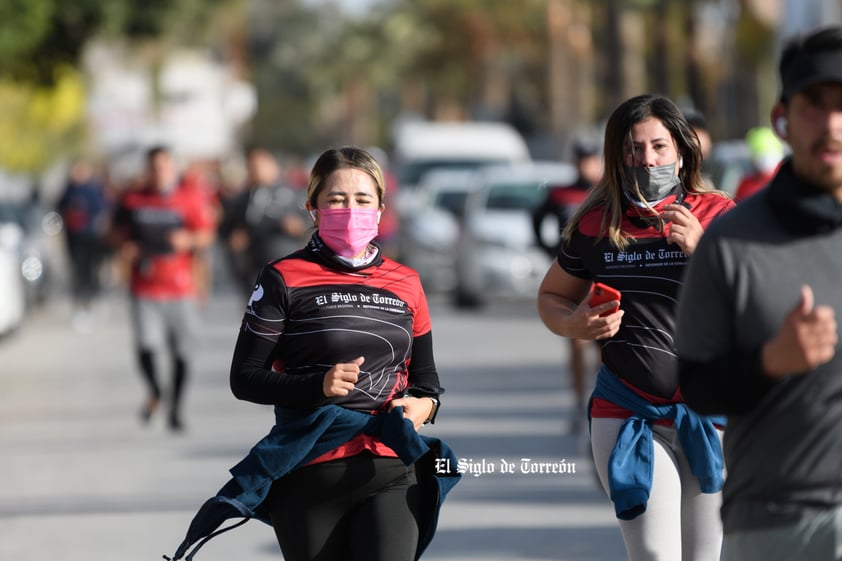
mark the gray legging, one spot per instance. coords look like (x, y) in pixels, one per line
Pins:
(159, 325)
(680, 523)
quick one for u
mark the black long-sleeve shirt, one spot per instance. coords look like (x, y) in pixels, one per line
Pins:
(311, 311)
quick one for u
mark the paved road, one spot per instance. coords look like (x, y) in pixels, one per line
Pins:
(81, 479)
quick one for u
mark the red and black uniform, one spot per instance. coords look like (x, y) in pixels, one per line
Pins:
(162, 283)
(561, 202)
(148, 218)
(752, 183)
(648, 274)
(310, 311)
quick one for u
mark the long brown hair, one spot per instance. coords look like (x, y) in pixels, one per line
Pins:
(609, 193)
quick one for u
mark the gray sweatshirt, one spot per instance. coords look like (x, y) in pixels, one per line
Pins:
(783, 443)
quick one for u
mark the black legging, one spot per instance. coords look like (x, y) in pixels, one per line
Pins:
(146, 359)
(85, 254)
(362, 508)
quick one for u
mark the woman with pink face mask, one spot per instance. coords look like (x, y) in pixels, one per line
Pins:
(337, 337)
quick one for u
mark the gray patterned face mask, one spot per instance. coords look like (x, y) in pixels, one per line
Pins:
(654, 183)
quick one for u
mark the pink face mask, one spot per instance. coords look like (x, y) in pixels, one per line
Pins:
(347, 231)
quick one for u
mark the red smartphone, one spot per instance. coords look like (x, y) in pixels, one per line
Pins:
(602, 293)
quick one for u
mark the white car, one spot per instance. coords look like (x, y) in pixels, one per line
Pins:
(12, 289)
(498, 254)
(430, 234)
(422, 146)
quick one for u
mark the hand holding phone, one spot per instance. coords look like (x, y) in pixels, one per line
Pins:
(602, 293)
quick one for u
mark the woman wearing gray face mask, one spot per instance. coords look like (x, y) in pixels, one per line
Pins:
(659, 462)
(653, 183)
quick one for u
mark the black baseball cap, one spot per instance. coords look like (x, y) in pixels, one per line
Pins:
(584, 148)
(808, 69)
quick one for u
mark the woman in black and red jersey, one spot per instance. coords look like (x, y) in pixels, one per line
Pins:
(336, 330)
(341, 331)
(337, 337)
(659, 462)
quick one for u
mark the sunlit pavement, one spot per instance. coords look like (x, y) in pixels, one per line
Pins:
(82, 479)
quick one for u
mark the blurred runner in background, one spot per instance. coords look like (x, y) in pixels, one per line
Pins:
(767, 151)
(264, 220)
(159, 228)
(85, 212)
(561, 203)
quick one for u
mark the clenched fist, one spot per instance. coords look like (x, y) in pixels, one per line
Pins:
(340, 380)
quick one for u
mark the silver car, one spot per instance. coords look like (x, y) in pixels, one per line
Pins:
(430, 234)
(498, 257)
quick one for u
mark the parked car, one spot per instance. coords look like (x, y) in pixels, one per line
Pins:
(430, 233)
(421, 146)
(37, 246)
(12, 292)
(498, 257)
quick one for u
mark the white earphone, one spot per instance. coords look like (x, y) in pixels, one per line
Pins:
(780, 125)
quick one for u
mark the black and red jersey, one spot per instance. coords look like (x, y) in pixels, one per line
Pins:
(320, 313)
(562, 201)
(648, 274)
(148, 218)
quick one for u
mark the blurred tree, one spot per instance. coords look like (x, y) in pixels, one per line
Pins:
(571, 70)
(41, 41)
(37, 36)
(478, 54)
(547, 66)
(39, 121)
(283, 41)
(694, 64)
(326, 78)
(754, 53)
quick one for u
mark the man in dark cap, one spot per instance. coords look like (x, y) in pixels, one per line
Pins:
(562, 202)
(756, 335)
(699, 124)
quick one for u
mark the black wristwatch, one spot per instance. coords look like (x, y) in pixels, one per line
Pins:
(432, 418)
(418, 391)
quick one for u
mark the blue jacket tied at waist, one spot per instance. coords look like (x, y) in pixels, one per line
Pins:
(631, 462)
(299, 437)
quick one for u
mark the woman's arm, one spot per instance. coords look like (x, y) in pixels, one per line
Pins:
(252, 378)
(422, 368)
(424, 393)
(563, 307)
